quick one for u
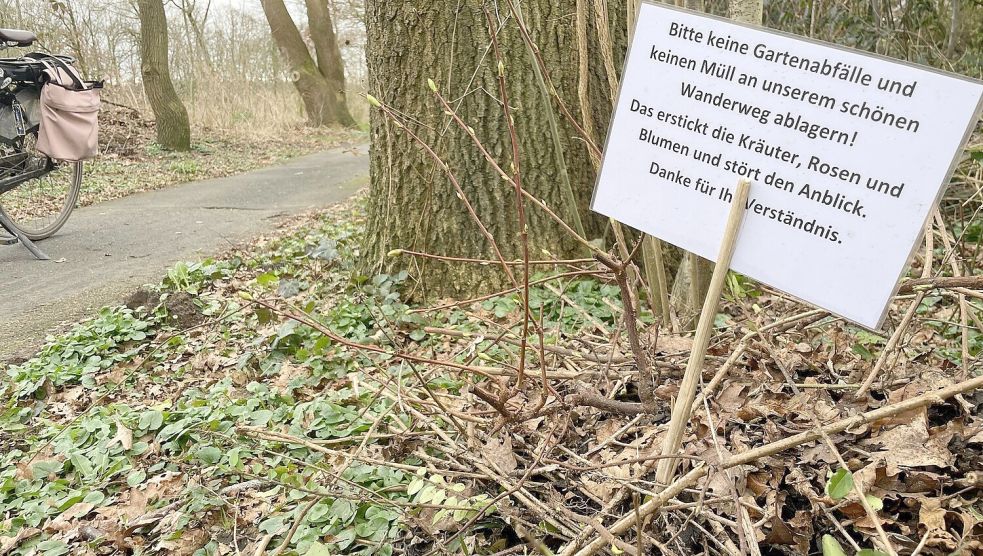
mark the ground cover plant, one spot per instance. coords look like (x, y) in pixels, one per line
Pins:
(277, 401)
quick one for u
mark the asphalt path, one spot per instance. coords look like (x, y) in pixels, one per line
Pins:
(108, 250)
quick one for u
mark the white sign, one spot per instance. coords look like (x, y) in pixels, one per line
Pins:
(848, 154)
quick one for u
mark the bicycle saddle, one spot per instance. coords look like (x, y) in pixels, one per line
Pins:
(17, 37)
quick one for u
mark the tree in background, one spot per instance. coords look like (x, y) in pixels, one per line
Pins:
(173, 129)
(693, 276)
(413, 204)
(320, 82)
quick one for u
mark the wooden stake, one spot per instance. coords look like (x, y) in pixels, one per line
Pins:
(704, 330)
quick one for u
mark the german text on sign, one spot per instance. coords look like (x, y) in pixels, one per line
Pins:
(848, 153)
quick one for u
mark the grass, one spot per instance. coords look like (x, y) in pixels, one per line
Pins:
(131, 162)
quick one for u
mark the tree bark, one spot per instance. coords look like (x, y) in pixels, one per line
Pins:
(412, 204)
(746, 11)
(320, 83)
(173, 129)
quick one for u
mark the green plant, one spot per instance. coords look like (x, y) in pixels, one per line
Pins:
(91, 347)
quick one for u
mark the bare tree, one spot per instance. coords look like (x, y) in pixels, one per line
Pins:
(173, 129)
(195, 21)
(321, 82)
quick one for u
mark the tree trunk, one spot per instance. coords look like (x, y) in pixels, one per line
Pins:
(413, 205)
(321, 83)
(173, 129)
(746, 11)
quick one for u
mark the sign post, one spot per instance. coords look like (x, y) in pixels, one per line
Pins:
(704, 330)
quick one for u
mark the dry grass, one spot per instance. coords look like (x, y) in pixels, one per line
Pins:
(238, 107)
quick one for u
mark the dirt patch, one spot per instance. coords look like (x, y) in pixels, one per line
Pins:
(182, 311)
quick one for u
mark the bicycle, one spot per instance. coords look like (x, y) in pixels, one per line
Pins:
(37, 194)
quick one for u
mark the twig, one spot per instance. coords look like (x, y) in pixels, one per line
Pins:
(545, 262)
(508, 291)
(293, 528)
(874, 518)
(963, 304)
(625, 523)
(682, 409)
(899, 331)
(941, 282)
(388, 112)
(840, 528)
(647, 384)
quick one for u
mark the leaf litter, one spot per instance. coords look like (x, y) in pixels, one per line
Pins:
(301, 407)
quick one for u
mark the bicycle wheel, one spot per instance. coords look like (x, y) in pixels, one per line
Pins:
(40, 207)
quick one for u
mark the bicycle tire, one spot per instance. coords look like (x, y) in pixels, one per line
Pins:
(51, 223)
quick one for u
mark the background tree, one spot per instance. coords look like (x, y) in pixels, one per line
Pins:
(321, 82)
(413, 206)
(692, 277)
(173, 129)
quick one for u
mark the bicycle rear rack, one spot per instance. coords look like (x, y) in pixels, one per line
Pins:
(6, 224)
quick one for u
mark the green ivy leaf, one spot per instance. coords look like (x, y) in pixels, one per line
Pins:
(831, 547)
(415, 486)
(95, 498)
(318, 549)
(267, 278)
(875, 503)
(209, 455)
(52, 547)
(151, 420)
(136, 477)
(840, 484)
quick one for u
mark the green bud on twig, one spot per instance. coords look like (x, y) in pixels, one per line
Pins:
(373, 101)
(433, 86)
(246, 295)
(501, 68)
(394, 253)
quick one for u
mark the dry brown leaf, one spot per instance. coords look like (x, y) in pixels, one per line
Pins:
(501, 454)
(931, 514)
(288, 371)
(606, 429)
(9, 543)
(803, 347)
(25, 469)
(732, 396)
(911, 445)
(163, 485)
(123, 435)
(64, 522)
(674, 344)
(186, 544)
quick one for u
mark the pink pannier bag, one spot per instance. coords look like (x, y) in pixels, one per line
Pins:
(69, 113)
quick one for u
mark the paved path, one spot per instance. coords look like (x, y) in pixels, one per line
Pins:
(112, 248)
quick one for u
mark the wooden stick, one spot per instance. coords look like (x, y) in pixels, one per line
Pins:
(627, 522)
(949, 282)
(704, 330)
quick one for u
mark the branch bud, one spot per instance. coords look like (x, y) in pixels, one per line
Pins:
(373, 101)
